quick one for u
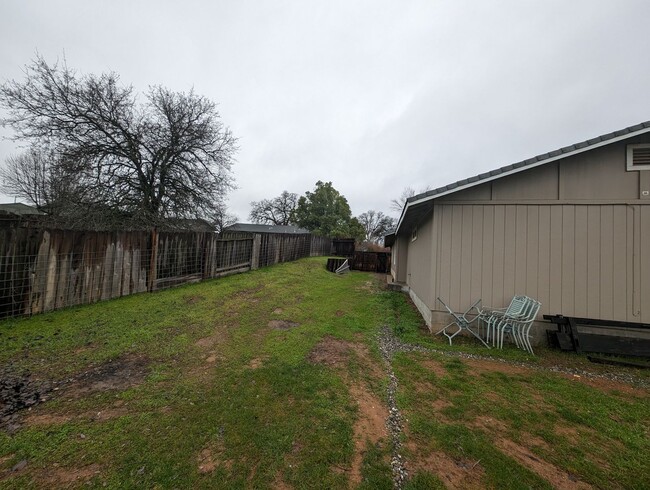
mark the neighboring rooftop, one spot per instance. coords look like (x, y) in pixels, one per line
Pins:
(19, 209)
(187, 224)
(254, 228)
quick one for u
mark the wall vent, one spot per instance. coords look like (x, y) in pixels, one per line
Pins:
(638, 157)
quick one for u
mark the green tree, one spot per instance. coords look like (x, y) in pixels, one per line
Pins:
(326, 212)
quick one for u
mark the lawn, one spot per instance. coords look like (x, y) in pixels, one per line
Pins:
(278, 379)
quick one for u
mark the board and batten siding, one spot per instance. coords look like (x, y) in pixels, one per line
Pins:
(580, 260)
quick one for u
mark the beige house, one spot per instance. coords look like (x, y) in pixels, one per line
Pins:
(570, 228)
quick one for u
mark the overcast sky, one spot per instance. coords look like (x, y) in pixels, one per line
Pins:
(371, 95)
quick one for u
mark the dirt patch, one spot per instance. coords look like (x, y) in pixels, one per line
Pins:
(479, 366)
(571, 434)
(209, 459)
(439, 405)
(219, 336)
(110, 413)
(5, 458)
(488, 424)
(339, 313)
(47, 419)
(44, 419)
(535, 441)
(282, 324)
(436, 367)
(364, 358)
(454, 473)
(116, 374)
(609, 385)
(256, 363)
(280, 484)
(277, 311)
(330, 352)
(555, 476)
(192, 300)
(206, 342)
(206, 461)
(247, 294)
(334, 352)
(212, 358)
(423, 386)
(60, 477)
(492, 396)
(368, 286)
(19, 391)
(83, 349)
(574, 436)
(253, 472)
(370, 427)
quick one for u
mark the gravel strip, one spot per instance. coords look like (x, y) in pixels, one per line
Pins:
(399, 346)
(388, 346)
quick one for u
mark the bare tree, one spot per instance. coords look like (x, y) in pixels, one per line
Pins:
(277, 211)
(222, 218)
(28, 175)
(51, 186)
(399, 203)
(375, 224)
(167, 157)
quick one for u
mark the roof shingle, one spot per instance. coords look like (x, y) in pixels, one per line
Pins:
(533, 160)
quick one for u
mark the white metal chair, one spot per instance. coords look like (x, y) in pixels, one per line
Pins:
(491, 317)
(462, 322)
(518, 325)
(525, 326)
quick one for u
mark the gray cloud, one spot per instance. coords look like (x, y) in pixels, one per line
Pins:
(372, 95)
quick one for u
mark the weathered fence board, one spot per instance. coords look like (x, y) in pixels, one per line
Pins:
(45, 269)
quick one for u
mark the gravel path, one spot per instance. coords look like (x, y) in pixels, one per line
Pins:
(388, 346)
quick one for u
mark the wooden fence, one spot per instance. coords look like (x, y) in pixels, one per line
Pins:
(45, 269)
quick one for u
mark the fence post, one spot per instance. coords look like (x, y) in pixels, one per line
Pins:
(255, 251)
(153, 265)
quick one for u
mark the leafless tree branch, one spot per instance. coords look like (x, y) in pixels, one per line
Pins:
(167, 157)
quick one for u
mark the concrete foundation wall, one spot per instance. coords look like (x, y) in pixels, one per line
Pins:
(424, 310)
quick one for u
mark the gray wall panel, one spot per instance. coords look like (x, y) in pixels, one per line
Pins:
(576, 259)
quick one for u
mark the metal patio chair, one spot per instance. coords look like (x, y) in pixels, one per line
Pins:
(518, 326)
(524, 327)
(343, 268)
(462, 322)
(491, 317)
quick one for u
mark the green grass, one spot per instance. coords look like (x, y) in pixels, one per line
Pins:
(606, 446)
(230, 402)
(288, 419)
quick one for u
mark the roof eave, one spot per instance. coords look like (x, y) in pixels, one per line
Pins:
(517, 170)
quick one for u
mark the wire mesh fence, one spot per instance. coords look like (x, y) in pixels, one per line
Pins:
(43, 269)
